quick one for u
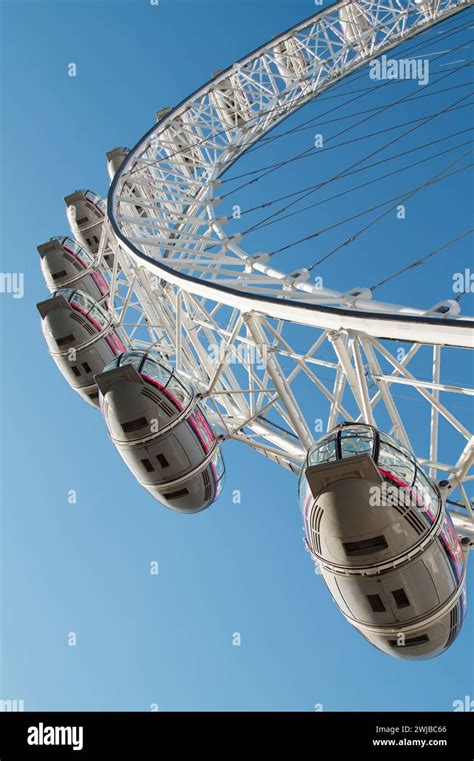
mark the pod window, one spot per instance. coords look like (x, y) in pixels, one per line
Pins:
(376, 603)
(147, 465)
(86, 367)
(69, 339)
(75, 370)
(176, 494)
(134, 425)
(401, 598)
(59, 275)
(410, 641)
(162, 460)
(366, 546)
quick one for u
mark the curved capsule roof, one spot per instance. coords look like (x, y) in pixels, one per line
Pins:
(115, 159)
(151, 367)
(65, 261)
(68, 264)
(83, 303)
(94, 198)
(394, 461)
(76, 249)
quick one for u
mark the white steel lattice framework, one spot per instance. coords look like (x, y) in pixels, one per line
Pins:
(186, 287)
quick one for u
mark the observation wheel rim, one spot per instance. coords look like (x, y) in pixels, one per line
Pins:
(442, 331)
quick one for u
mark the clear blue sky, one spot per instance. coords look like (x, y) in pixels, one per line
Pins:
(85, 568)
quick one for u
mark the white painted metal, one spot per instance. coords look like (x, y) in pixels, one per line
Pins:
(196, 293)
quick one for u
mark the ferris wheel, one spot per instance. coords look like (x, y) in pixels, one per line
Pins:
(178, 302)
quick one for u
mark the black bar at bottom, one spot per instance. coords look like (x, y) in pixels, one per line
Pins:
(150, 735)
